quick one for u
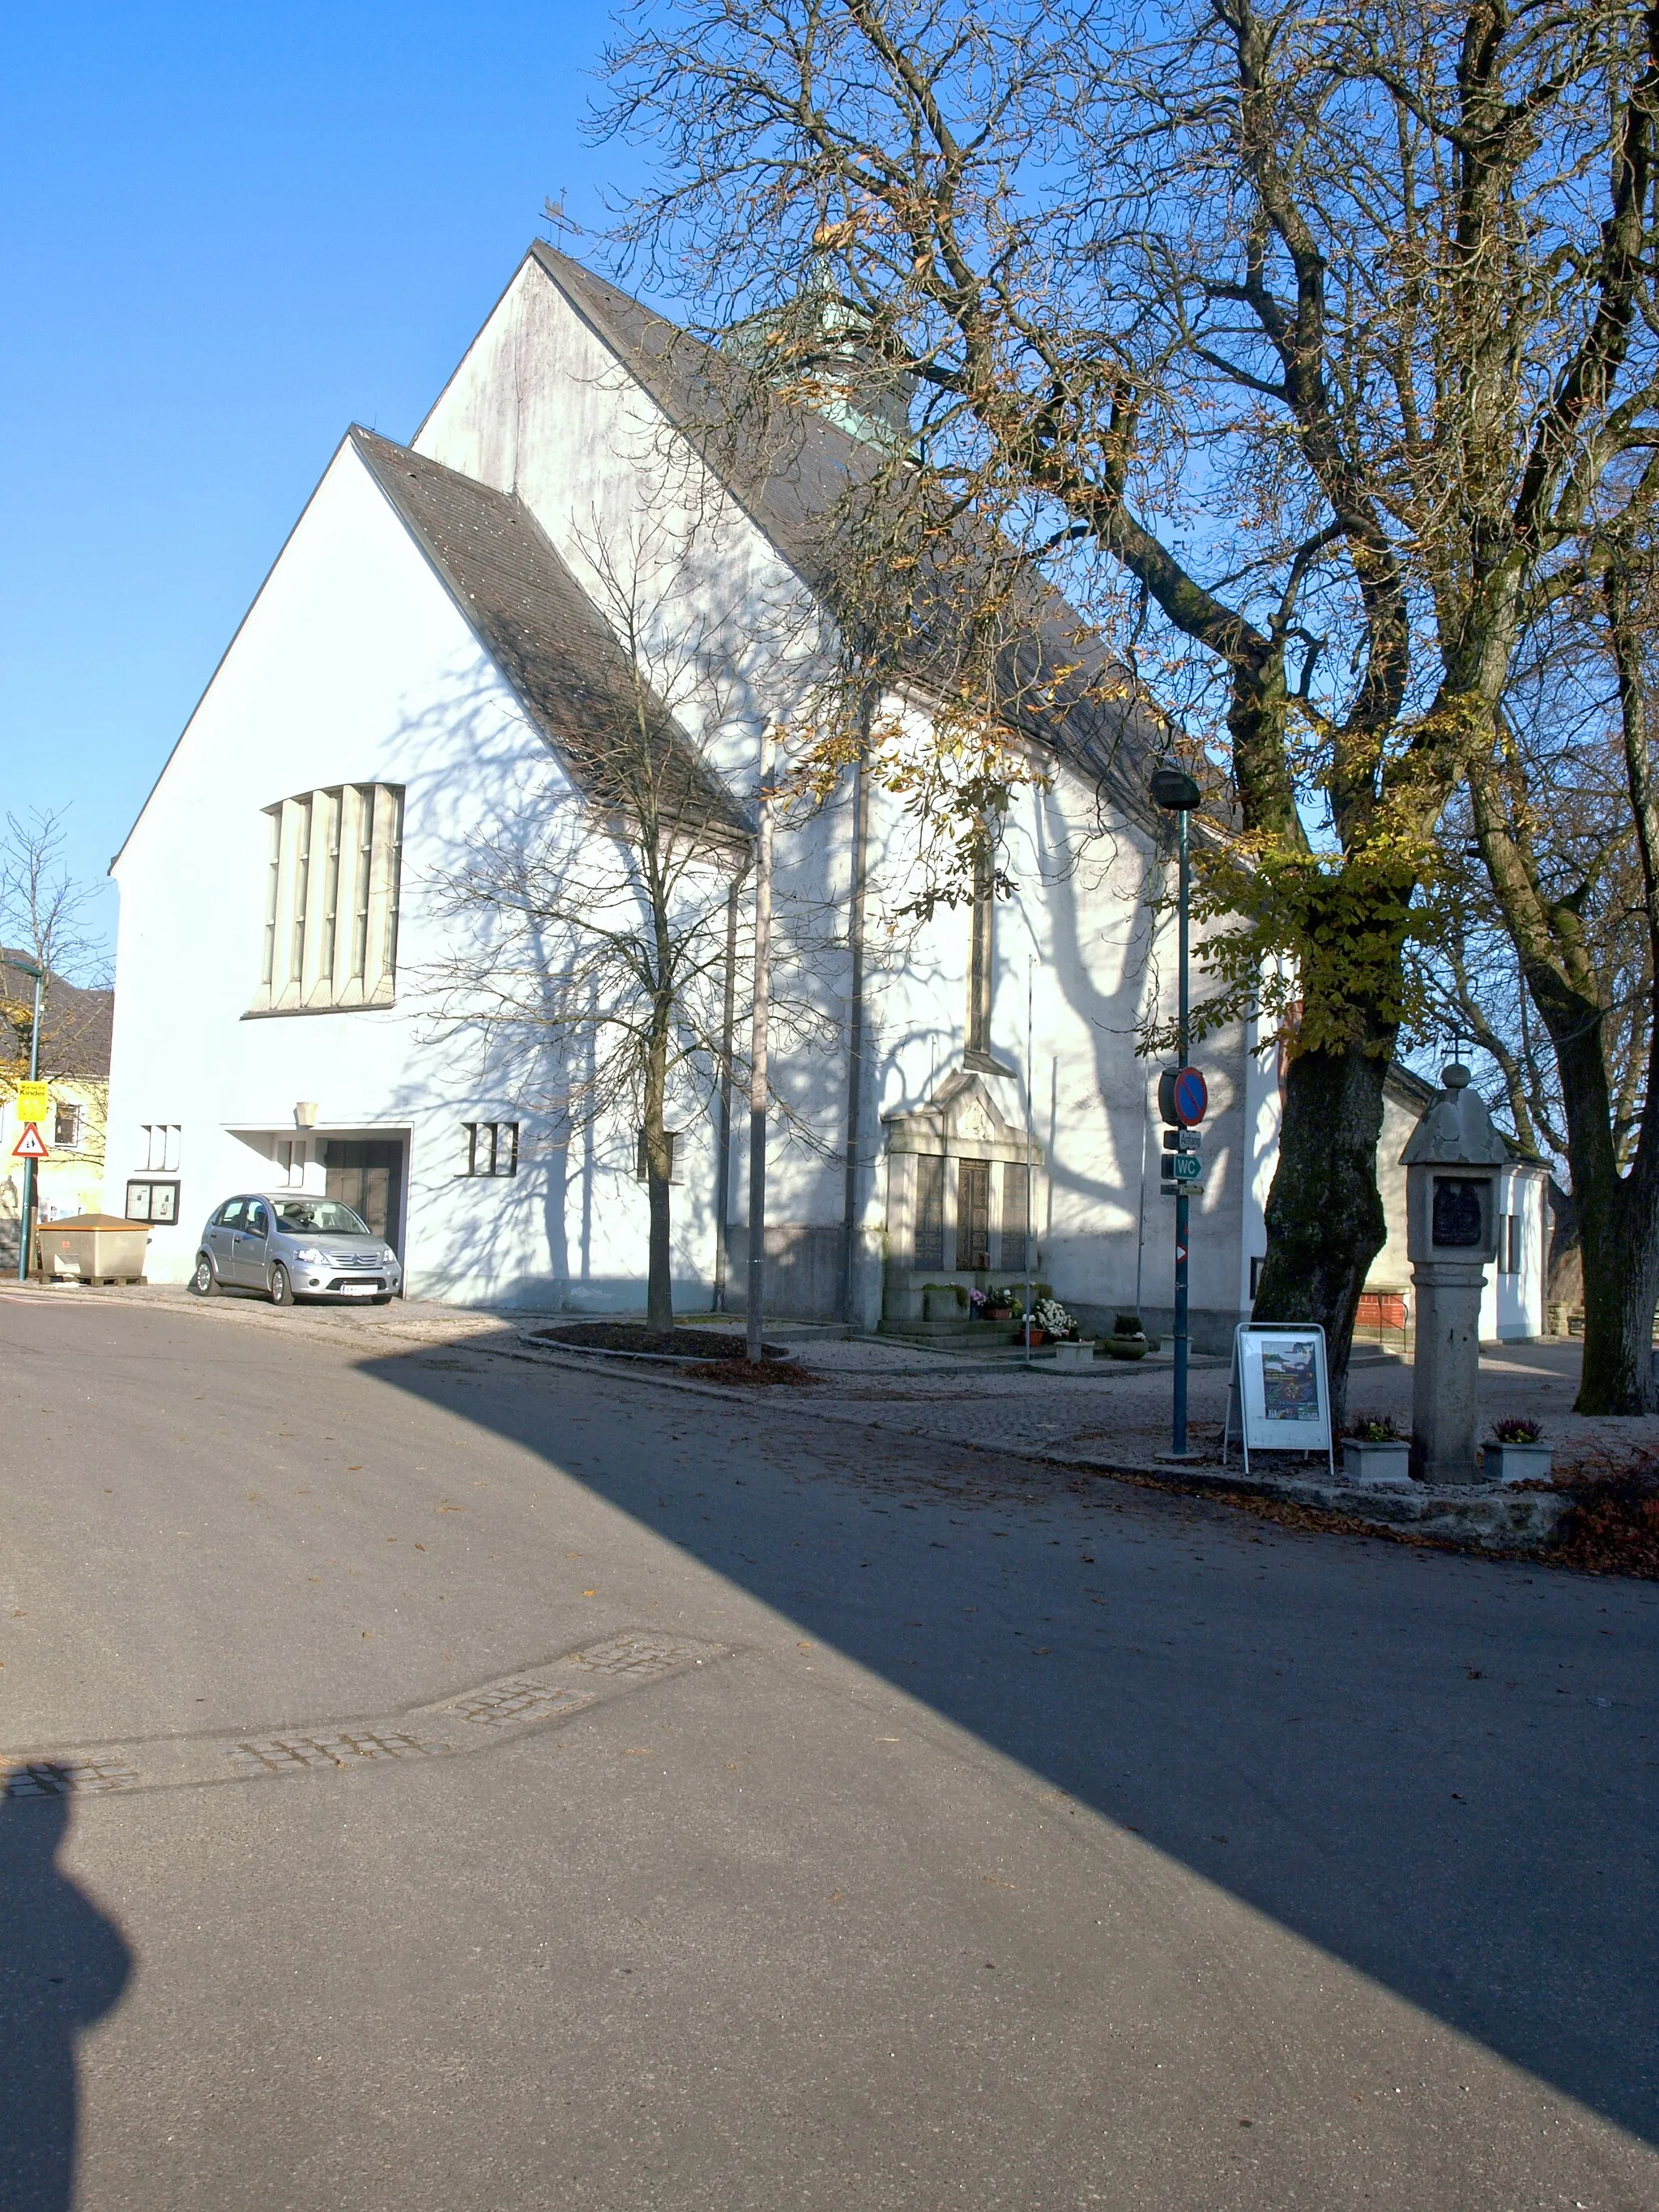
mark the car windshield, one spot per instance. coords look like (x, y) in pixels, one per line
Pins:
(324, 1215)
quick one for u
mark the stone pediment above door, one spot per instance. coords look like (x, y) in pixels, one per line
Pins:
(961, 1120)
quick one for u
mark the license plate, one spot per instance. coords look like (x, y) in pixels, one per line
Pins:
(360, 1290)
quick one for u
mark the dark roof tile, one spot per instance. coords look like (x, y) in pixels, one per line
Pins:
(791, 468)
(543, 634)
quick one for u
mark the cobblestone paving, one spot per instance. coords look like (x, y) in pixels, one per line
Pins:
(276, 1754)
(68, 1777)
(1124, 1413)
(515, 1704)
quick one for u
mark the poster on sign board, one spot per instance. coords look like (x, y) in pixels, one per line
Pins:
(1280, 1399)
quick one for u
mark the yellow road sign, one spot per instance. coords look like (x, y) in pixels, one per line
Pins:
(33, 1102)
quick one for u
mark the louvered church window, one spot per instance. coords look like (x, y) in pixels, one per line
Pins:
(331, 891)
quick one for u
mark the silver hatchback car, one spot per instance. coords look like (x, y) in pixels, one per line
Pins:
(292, 1244)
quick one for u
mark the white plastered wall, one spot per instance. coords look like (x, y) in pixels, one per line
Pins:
(354, 665)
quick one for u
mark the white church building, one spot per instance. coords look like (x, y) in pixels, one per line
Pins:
(419, 649)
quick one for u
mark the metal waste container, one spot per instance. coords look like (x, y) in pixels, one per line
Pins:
(91, 1247)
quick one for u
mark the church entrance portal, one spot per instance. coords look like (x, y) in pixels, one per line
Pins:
(366, 1174)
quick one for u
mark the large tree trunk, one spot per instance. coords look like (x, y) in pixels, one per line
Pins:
(659, 1166)
(1617, 1224)
(1618, 1214)
(1325, 1219)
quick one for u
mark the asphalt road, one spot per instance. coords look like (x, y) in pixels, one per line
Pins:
(935, 1833)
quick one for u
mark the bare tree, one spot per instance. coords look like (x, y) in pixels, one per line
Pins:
(43, 912)
(1304, 348)
(1565, 815)
(596, 895)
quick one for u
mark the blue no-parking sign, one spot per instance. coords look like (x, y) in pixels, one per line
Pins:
(1184, 1097)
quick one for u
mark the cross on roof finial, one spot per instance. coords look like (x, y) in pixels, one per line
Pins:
(558, 221)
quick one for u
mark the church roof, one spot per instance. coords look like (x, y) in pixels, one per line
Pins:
(791, 468)
(543, 634)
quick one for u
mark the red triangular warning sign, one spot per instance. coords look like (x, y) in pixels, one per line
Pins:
(31, 1145)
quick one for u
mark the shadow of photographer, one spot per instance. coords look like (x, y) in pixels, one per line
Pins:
(63, 1966)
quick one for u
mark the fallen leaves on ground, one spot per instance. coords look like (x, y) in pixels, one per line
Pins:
(1613, 1527)
(679, 1343)
(784, 1371)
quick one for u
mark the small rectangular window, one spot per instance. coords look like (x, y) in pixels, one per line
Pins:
(1511, 1243)
(160, 1146)
(492, 1147)
(66, 1123)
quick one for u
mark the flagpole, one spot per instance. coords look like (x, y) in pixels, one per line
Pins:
(1031, 1193)
(758, 1073)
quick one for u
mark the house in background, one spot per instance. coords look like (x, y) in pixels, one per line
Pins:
(1512, 1305)
(415, 667)
(74, 1058)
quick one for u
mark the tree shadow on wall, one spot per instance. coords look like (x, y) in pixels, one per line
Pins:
(63, 1966)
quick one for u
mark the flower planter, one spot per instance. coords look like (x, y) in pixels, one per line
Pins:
(1388, 1464)
(1032, 1335)
(1125, 1347)
(1075, 1357)
(999, 1313)
(1517, 1462)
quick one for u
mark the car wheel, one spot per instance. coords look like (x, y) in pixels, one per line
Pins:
(204, 1282)
(381, 1298)
(281, 1290)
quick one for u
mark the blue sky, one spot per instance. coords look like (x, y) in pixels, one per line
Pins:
(226, 234)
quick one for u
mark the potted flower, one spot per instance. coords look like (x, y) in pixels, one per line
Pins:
(1051, 1321)
(1373, 1450)
(1000, 1305)
(1516, 1452)
(978, 1304)
(1127, 1339)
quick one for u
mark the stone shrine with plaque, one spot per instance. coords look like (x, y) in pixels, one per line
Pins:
(1452, 1160)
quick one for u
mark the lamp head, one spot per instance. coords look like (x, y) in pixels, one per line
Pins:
(1173, 788)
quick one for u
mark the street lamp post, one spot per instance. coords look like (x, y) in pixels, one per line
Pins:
(28, 968)
(1173, 789)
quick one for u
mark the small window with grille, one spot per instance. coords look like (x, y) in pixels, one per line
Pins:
(492, 1148)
